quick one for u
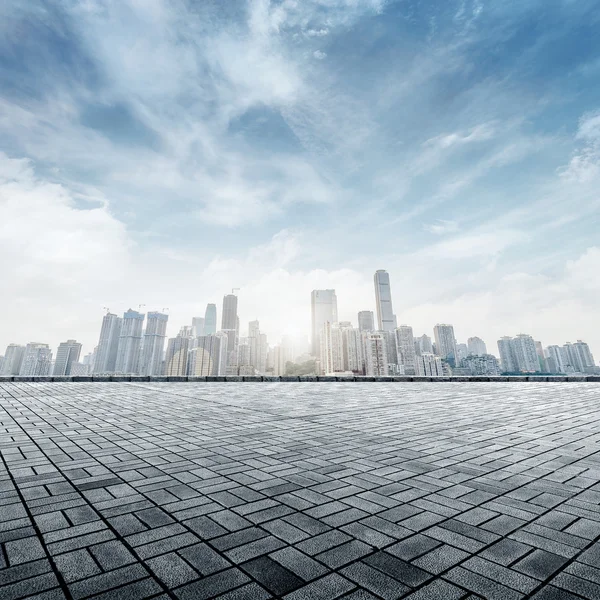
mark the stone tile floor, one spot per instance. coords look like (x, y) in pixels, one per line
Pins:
(299, 490)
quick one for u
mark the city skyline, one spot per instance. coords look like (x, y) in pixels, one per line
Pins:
(134, 344)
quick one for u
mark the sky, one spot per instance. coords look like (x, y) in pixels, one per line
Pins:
(163, 152)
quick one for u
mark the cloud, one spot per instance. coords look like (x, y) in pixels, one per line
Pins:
(441, 227)
(319, 55)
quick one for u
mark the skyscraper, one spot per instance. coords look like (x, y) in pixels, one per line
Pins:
(210, 319)
(37, 360)
(198, 326)
(508, 360)
(353, 350)
(555, 359)
(323, 310)
(13, 359)
(366, 322)
(128, 354)
(68, 353)
(229, 315)
(386, 321)
(332, 351)
(106, 356)
(154, 344)
(176, 359)
(445, 342)
(405, 344)
(578, 357)
(476, 346)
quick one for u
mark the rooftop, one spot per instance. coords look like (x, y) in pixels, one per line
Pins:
(296, 490)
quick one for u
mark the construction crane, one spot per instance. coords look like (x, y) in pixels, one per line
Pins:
(106, 309)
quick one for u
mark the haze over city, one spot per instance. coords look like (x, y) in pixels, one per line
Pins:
(164, 153)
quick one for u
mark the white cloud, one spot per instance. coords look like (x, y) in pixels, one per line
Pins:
(318, 54)
(441, 227)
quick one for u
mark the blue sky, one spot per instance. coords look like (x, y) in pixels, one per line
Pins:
(164, 152)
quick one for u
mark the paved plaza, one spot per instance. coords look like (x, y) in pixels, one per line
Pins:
(300, 490)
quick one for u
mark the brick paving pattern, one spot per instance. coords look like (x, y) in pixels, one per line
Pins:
(299, 491)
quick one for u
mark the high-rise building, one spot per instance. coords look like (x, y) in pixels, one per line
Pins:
(130, 341)
(108, 345)
(209, 358)
(555, 359)
(210, 319)
(476, 346)
(323, 310)
(229, 315)
(176, 360)
(154, 344)
(376, 354)
(386, 320)
(577, 357)
(508, 360)
(429, 365)
(353, 349)
(13, 359)
(280, 358)
(366, 321)
(390, 345)
(539, 350)
(424, 345)
(68, 353)
(445, 342)
(37, 360)
(79, 370)
(526, 354)
(405, 344)
(332, 351)
(198, 326)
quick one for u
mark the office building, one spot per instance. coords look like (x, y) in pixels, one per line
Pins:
(198, 326)
(154, 344)
(108, 345)
(445, 342)
(331, 357)
(210, 319)
(476, 346)
(130, 341)
(386, 320)
(13, 359)
(323, 310)
(366, 321)
(68, 353)
(176, 358)
(209, 358)
(353, 349)
(37, 360)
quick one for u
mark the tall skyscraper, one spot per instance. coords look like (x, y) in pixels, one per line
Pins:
(366, 322)
(128, 354)
(154, 344)
(108, 345)
(13, 359)
(323, 310)
(37, 360)
(332, 350)
(539, 350)
(476, 346)
(353, 349)
(405, 344)
(445, 342)
(386, 320)
(176, 359)
(229, 315)
(376, 355)
(198, 326)
(210, 319)
(68, 353)
(280, 358)
(578, 357)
